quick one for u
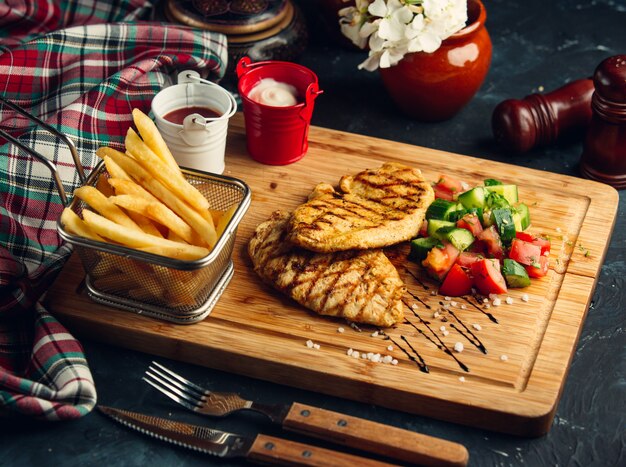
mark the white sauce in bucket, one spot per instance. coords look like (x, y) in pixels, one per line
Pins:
(268, 91)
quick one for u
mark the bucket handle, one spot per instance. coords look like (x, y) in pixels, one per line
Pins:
(312, 91)
(195, 76)
(61, 136)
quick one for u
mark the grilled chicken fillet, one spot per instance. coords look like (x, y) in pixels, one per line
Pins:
(360, 286)
(372, 209)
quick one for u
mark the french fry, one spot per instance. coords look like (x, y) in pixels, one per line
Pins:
(205, 228)
(171, 235)
(123, 187)
(216, 214)
(140, 240)
(115, 171)
(159, 213)
(129, 187)
(173, 180)
(225, 219)
(153, 139)
(103, 186)
(76, 226)
(105, 206)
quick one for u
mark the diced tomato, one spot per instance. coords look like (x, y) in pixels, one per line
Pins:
(440, 259)
(478, 247)
(470, 222)
(443, 194)
(540, 268)
(541, 242)
(524, 252)
(491, 239)
(544, 244)
(457, 282)
(466, 258)
(527, 237)
(487, 277)
(447, 187)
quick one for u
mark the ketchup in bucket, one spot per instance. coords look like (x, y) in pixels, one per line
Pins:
(178, 115)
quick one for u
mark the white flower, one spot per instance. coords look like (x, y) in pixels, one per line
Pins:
(393, 28)
(395, 16)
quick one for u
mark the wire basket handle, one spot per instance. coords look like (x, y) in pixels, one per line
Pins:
(64, 138)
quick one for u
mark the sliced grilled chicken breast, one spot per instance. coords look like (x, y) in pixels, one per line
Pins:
(360, 286)
(372, 209)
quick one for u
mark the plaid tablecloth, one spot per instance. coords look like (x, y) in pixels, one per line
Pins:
(81, 66)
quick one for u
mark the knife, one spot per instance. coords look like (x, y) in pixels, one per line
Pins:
(262, 449)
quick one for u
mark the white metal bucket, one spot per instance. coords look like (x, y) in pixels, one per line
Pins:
(199, 143)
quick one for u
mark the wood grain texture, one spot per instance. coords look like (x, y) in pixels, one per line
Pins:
(388, 441)
(514, 387)
(269, 450)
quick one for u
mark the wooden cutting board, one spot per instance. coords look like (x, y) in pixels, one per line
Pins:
(513, 386)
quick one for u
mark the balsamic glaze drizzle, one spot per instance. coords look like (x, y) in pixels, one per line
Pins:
(488, 315)
(474, 340)
(438, 343)
(417, 359)
(415, 276)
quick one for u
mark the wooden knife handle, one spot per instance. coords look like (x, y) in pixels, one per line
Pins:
(277, 451)
(366, 435)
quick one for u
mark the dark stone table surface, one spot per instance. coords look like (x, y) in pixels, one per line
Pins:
(536, 44)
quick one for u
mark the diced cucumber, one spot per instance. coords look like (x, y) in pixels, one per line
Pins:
(492, 182)
(503, 219)
(441, 209)
(460, 238)
(420, 248)
(436, 224)
(496, 200)
(508, 191)
(521, 217)
(456, 215)
(515, 274)
(474, 198)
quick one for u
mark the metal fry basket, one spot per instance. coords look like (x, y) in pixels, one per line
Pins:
(158, 286)
(171, 289)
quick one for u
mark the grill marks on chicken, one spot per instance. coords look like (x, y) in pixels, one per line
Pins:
(361, 286)
(373, 209)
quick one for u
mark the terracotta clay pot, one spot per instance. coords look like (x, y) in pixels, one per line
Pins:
(435, 86)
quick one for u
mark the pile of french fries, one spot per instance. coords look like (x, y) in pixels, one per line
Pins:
(145, 202)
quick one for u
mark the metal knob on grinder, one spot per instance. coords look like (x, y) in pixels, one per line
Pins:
(604, 153)
(520, 125)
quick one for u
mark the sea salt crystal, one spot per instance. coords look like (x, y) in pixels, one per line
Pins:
(446, 298)
(316, 346)
(364, 355)
(478, 327)
(414, 306)
(375, 334)
(485, 300)
(390, 348)
(558, 229)
(355, 354)
(350, 352)
(458, 347)
(340, 330)
(463, 307)
(394, 362)
(445, 333)
(442, 328)
(493, 296)
(496, 302)
(436, 314)
(453, 303)
(375, 358)
(387, 359)
(504, 358)
(509, 300)
(525, 297)
(487, 306)
(462, 379)
(309, 344)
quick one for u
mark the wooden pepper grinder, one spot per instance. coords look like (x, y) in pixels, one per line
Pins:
(604, 153)
(540, 119)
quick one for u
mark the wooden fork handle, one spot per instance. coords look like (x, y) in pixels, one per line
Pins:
(278, 451)
(374, 437)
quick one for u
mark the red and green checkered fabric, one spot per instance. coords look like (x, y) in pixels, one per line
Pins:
(80, 66)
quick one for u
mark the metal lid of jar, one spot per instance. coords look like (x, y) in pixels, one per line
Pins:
(232, 17)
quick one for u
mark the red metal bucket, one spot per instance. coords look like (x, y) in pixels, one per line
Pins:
(277, 135)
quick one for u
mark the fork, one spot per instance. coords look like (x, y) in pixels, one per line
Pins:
(354, 432)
